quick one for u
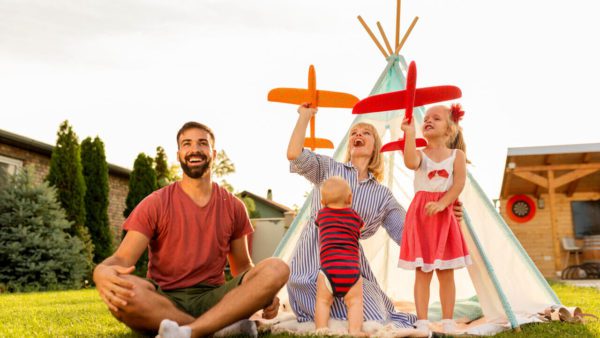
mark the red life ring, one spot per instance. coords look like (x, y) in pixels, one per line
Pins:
(520, 208)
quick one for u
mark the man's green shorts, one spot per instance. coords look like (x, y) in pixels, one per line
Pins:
(199, 298)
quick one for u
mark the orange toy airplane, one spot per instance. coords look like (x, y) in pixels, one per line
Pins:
(316, 98)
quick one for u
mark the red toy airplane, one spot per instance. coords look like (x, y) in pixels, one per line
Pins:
(406, 99)
(316, 98)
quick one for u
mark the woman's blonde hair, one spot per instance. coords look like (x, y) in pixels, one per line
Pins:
(376, 163)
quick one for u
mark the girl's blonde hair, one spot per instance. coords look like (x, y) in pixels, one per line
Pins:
(376, 163)
(456, 139)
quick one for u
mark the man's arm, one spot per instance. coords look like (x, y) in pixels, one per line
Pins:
(239, 257)
(113, 289)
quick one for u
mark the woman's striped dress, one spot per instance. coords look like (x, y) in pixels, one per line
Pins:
(377, 207)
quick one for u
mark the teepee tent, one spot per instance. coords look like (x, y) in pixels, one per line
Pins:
(502, 279)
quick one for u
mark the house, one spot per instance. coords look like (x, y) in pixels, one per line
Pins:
(17, 151)
(550, 193)
(269, 227)
(265, 206)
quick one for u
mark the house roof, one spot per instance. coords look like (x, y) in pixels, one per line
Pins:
(45, 149)
(556, 149)
(561, 159)
(275, 205)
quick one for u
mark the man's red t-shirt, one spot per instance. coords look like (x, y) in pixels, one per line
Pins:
(188, 243)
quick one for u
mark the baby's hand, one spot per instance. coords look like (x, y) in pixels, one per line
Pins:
(408, 127)
(432, 208)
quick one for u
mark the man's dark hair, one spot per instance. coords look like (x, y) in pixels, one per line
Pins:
(192, 125)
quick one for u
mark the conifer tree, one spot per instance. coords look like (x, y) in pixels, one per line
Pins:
(161, 167)
(36, 250)
(142, 182)
(95, 174)
(66, 175)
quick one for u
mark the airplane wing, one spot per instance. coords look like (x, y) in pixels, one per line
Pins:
(397, 100)
(324, 98)
(399, 145)
(289, 95)
(335, 99)
(319, 143)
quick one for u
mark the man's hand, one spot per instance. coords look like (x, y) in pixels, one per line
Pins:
(114, 290)
(457, 208)
(271, 310)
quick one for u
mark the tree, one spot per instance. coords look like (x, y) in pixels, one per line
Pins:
(95, 174)
(66, 175)
(162, 168)
(250, 206)
(142, 182)
(223, 166)
(36, 251)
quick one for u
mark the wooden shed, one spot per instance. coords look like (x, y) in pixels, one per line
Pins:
(550, 193)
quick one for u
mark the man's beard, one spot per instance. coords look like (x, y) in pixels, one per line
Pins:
(196, 172)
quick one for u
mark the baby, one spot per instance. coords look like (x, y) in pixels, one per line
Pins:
(339, 276)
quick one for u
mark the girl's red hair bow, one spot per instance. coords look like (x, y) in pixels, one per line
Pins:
(457, 112)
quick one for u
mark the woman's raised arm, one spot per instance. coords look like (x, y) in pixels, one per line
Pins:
(305, 113)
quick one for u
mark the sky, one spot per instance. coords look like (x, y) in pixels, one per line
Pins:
(132, 72)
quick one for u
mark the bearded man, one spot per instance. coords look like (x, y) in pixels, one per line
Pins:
(191, 228)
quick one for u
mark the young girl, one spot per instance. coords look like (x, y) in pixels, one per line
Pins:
(432, 238)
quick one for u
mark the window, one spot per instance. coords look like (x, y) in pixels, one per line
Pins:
(586, 218)
(9, 166)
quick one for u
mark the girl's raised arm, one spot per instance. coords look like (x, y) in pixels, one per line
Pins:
(412, 158)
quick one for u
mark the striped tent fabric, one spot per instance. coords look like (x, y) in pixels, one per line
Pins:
(509, 288)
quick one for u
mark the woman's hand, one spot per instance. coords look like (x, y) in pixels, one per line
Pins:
(305, 110)
(458, 210)
(270, 311)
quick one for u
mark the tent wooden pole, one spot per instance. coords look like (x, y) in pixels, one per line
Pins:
(372, 36)
(410, 28)
(385, 39)
(397, 41)
(554, 221)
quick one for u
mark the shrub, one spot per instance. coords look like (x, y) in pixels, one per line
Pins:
(36, 252)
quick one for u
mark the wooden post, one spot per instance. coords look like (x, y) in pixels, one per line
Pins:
(397, 41)
(554, 221)
(412, 25)
(364, 24)
(385, 39)
(573, 186)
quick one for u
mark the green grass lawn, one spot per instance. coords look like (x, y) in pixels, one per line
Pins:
(82, 314)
